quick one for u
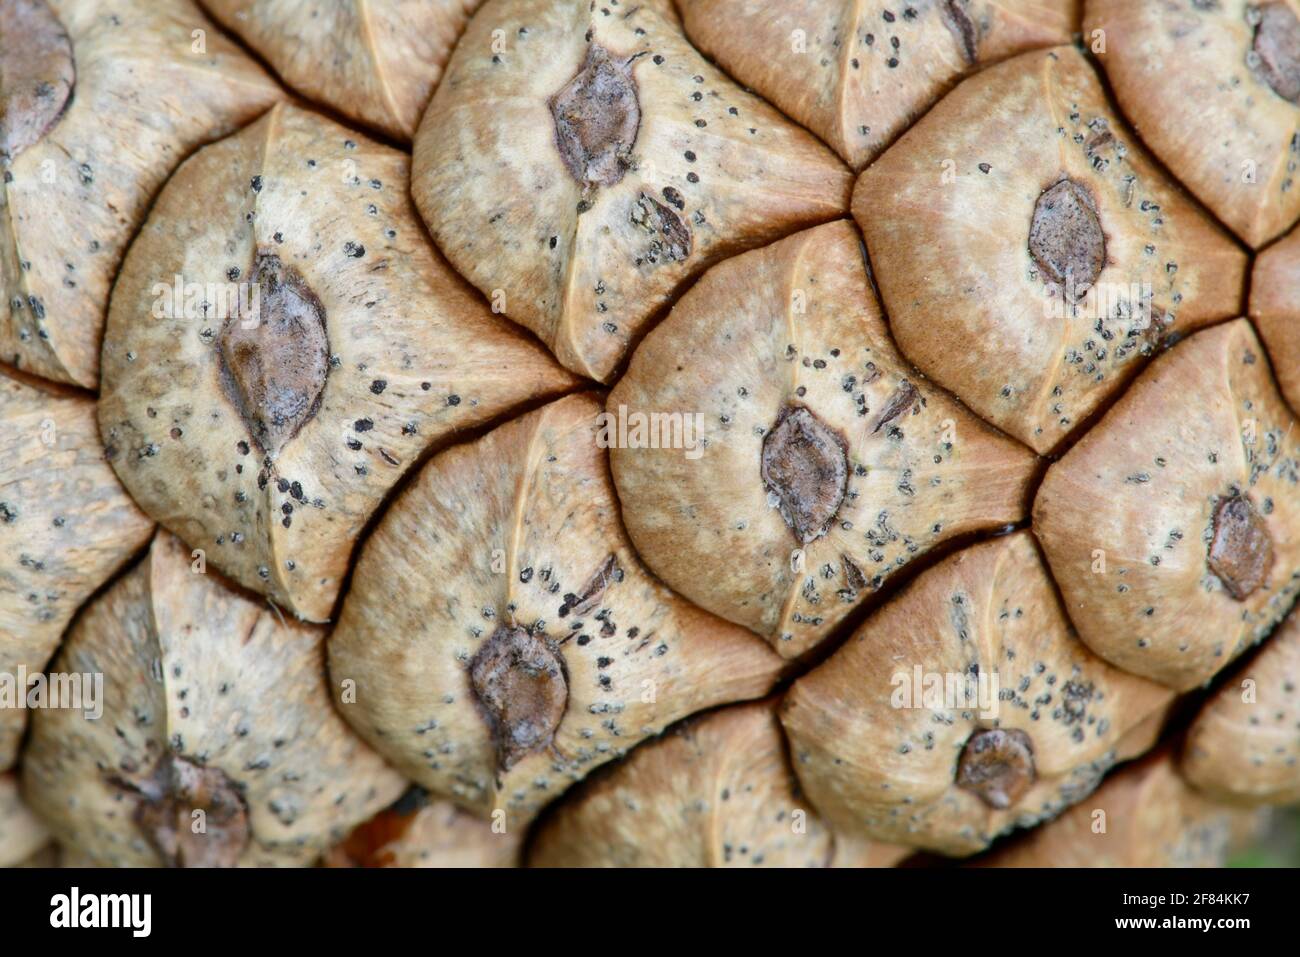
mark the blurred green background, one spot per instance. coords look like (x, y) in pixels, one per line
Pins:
(1280, 845)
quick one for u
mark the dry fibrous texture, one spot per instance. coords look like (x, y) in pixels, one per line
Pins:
(217, 745)
(1275, 308)
(1244, 746)
(717, 791)
(422, 831)
(582, 169)
(36, 73)
(22, 835)
(98, 106)
(1214, 89)
(1029, 252)
(529, 645)
(778, 460)
(858, 74)
(374, 62)
(1143, 815)
(965, 707)
(283, 343)
(66, 526)
(1173, 525)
